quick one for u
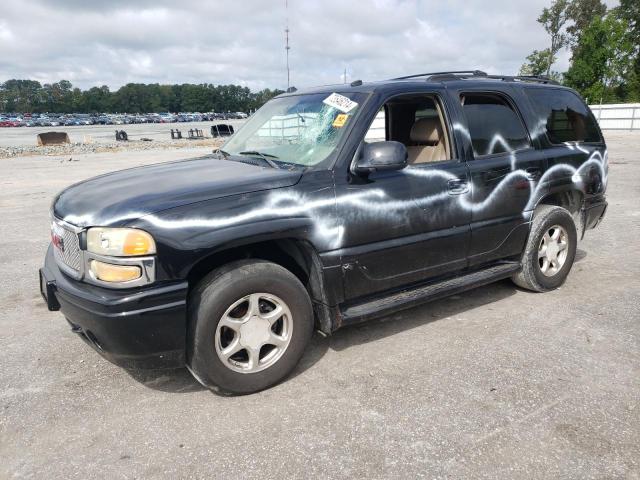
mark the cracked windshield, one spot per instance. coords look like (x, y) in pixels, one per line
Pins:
(301, 129)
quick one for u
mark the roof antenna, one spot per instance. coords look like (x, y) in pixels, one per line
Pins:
(287, 47)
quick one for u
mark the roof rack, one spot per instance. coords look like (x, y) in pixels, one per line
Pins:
(534, 78)
(463, 74)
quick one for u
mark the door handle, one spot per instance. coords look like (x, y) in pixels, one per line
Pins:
(533, 173)
(457, 186)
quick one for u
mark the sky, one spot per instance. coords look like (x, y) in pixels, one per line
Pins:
(114, 42)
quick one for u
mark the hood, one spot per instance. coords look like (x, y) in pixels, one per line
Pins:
(117, 197)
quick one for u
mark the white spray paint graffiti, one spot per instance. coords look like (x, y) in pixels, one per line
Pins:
(374, 201)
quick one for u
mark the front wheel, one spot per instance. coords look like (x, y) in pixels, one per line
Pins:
(550, 250)
(249, 324)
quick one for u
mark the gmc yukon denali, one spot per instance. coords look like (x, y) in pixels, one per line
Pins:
(330, 206)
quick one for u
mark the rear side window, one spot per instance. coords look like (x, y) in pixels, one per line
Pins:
(494, 127)
(566, 117)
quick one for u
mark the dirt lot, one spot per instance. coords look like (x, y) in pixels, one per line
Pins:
(494, 383)
(106, 133)
(19, 142)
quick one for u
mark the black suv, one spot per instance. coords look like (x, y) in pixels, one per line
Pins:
(330, 206)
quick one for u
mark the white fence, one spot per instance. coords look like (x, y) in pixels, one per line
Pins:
(286, 126)
(377, 130)
(621, 116)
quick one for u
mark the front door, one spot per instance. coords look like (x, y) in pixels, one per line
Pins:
(406, 226)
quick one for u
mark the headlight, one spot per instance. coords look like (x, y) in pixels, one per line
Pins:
(119, 242)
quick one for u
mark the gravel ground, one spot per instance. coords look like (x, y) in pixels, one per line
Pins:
(72, 149)
(494, 383)
(106, 133)
(15, 142)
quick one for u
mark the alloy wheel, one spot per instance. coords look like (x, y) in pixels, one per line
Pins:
(552, 251)
(253, 333)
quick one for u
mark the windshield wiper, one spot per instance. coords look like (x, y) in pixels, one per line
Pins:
(260, 154)
(263, 156)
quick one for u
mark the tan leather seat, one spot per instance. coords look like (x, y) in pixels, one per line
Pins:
(427, 134)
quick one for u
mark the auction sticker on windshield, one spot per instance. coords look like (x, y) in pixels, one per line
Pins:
(340, 120)
(342, 103)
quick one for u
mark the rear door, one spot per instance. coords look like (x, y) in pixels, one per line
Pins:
(504, 167)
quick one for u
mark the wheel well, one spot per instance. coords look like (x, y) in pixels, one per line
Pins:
(273, 251)
(570, 200)
(299, 257)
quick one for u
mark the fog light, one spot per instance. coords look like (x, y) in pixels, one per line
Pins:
(114, 273)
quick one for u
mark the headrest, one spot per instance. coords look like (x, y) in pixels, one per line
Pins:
(426, 130)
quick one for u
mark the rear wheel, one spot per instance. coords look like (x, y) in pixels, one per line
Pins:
(550, 250)
(249, 323)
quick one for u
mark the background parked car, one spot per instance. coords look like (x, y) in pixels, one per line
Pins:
(44, 122)
(14, 122)
(166, 117)
(83, 119)
(12, 119)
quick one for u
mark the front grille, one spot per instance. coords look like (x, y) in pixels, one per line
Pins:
(66, 247)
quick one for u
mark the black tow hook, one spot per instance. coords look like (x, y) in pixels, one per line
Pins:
(75, 328)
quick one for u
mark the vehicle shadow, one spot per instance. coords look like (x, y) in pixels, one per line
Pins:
(404, 320)
(180, 380)
(174, 380)
(580, 255)
(390, 325)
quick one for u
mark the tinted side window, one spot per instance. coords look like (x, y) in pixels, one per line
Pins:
(494, 126)
(567, 118)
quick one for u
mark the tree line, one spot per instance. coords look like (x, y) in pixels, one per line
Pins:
(604, 45)
(29, 96)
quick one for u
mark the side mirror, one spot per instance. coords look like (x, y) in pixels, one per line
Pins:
(381, 156)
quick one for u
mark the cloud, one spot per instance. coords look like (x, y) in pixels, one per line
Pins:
(94, 43)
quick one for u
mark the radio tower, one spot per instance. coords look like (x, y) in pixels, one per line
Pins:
(286, 33)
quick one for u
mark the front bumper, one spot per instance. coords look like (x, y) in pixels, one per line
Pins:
(135, 328)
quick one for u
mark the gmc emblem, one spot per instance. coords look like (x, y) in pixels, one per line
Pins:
(57, 241)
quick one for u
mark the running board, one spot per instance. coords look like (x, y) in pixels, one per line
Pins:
(425, 293)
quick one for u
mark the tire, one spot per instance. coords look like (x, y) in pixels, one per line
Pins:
(222, 319)
(532, 276)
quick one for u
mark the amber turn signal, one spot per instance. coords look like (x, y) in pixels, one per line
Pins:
(108, 272)
(138, 243)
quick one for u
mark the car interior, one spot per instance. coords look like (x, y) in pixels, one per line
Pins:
(417, 122)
